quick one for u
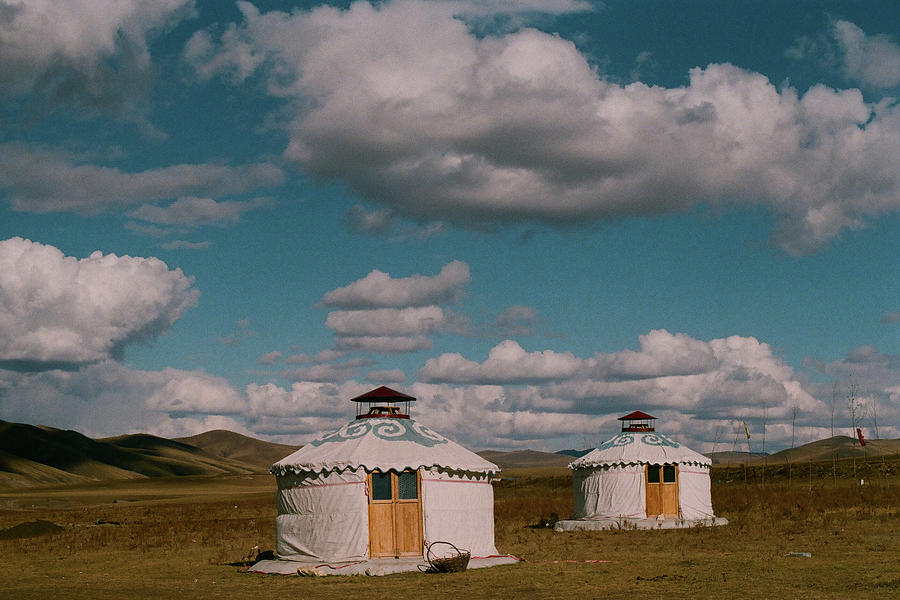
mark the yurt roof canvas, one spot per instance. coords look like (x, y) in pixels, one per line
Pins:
(383, 444)
(631, 448)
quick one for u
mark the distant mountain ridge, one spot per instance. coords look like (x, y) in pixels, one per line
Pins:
(525, 458)
(574, 453)
(734, 456)
(228, 444)
(839, 446)
(40, 455)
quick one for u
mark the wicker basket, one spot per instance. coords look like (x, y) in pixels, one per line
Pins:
(448, 564)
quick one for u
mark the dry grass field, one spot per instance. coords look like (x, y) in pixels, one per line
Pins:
(175, 538)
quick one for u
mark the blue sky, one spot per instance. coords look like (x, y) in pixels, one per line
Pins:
(534, 216)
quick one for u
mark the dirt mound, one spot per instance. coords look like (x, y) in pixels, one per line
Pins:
(30, 529)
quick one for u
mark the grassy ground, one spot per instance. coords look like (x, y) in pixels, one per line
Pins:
(174, 538)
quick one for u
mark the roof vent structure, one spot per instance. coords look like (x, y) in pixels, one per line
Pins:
(382, 403)
(638, 421)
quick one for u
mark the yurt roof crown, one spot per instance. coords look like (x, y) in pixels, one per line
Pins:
(638, 421)
(385, 439)
(638, 444)
(381, 403)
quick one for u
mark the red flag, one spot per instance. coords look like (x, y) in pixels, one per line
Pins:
(862, 440)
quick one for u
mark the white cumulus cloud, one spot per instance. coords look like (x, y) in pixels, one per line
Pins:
(94, 53)
(871, 60)
(412, 109)
(320, 399)
(193, 211)
(385, 321)
(507, 362)
(396, 315)
(697, 385)
(59, 309)
(332, 372)
(43, 181)
(662, 354)
(269, 358)
(384, 344)
(108, 398)
(516, 320)
(386, 330)
(194, 392)
(379, 290)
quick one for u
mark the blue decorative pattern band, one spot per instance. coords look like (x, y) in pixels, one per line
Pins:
(658, 439)
(623, 439)
(650, 439)
(391, 430)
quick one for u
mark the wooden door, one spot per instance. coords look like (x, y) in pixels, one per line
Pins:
(395, 514)
(668, 491)
(381, 515)
(662, 490)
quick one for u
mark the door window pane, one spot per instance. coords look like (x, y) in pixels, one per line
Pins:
(381, 486)
(407, 484)
(652, 473)
(668, 473)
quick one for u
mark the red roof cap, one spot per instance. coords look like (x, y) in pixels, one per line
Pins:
(635, 416)
(383, 394)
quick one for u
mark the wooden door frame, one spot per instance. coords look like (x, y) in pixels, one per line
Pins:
(659, 487)
(394, 501)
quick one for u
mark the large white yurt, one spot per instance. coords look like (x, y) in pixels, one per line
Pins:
(383, 485)
(643, 478)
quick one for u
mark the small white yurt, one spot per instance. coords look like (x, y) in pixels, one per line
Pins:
(383, 485)
(641, 477)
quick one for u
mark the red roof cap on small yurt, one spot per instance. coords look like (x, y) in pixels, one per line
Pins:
(382, 403)
(637, 421)
(636, 415)
(383, 393)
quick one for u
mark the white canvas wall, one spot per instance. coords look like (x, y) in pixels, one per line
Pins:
(610, 491)
(322, 516)
(323, 510)
(458, 509)
(620, 491)
(694, 492)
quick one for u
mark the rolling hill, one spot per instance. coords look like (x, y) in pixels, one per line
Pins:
(234, 446)
(837, 447)
(736, 456)
(518, 459)
(35, 455)
(574, 453)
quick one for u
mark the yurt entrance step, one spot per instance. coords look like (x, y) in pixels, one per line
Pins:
(395, 514)
(662, 490)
